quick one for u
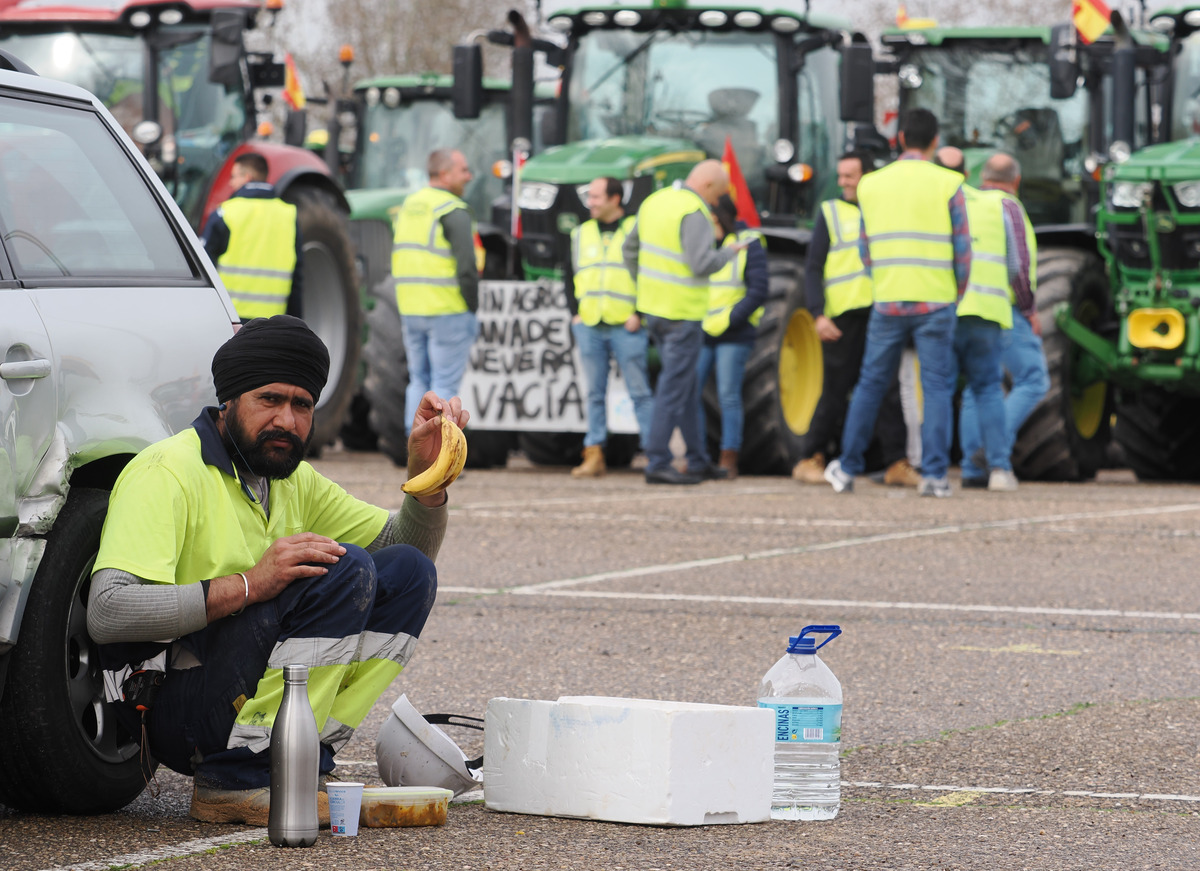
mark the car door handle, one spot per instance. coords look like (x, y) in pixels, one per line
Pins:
(22, 369)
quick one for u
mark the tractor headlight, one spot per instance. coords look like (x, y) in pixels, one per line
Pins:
(1129, 194)
(1188, 194)
(536, 196)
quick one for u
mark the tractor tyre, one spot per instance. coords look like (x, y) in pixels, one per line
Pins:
(329, 303)
(1066, 436)
(1159, 433)
(386, 380)
(552, 448)
(64, 750)
(783, 376)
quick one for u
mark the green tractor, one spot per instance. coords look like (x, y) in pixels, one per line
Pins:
(649, 89)
(1056, 106)
(393, 123)
(1149, 233)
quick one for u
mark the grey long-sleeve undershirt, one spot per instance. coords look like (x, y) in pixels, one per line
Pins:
(460, 233)
(125, 607)
(699, 251)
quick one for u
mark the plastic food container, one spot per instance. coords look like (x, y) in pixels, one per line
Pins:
(392, 806)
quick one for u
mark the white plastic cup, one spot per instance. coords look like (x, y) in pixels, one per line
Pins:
(345, 802)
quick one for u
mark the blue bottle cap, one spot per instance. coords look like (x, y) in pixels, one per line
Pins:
(803, 644)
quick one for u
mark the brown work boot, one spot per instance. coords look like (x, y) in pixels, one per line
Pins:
(251, 807)
(728, 462)
(901, 474)
(592, 465)
(811, 470)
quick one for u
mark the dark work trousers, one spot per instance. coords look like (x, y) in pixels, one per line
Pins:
(677, 394)
(842, 361)
(391, 591)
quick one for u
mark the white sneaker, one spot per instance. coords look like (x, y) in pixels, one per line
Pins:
(1002, 480)
(937, 487)
(838, 479)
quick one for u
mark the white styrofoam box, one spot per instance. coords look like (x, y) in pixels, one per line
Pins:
(629, 760)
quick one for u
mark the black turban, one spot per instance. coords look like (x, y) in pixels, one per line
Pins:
(269, 350)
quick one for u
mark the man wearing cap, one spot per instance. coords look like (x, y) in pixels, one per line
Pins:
(225, 557)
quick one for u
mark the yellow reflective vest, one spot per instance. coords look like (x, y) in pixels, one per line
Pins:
(988, 294)
(847, 284)
(423, 266)
(905, 208)
(257, 266)
(727, 287)
(666, 286)
(603, 286)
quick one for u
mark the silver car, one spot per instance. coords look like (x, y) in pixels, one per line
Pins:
(109, 317)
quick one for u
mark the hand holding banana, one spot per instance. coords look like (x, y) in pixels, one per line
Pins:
(451, 458)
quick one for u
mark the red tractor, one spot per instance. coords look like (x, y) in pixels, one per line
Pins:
(180, 78)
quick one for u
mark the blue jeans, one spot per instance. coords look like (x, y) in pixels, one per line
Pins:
(887, 336)
(977, 349)
(1022, 355)
(597, 346)
(390, 592)
(437, 348)
(676, 394)
(729, 359)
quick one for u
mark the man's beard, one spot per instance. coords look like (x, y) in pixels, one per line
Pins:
(257, 457)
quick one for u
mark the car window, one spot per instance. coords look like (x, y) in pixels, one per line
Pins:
(72, 204)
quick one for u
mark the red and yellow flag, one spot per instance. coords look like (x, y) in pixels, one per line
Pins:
(1091, 19)
(739, 191)
(293, 91)
(906, 23)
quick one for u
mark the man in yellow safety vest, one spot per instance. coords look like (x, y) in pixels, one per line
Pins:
(437, 279)
(671, 252)
(837, 291)
(602, 297)
(916, 245)
(254, 239)
(226, 556)
(988, 424)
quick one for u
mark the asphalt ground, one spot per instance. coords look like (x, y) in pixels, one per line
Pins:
(1021, 672)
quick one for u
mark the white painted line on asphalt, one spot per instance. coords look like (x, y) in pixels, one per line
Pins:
(604, 498)
(774, 553)
(598, 517)
(1001, 790)
(173, 851)
(830, 603)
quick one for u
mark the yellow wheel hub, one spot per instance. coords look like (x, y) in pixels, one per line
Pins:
(801, 371)
(1087, 407)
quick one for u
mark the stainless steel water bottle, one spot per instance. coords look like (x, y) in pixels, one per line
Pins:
(295, 760)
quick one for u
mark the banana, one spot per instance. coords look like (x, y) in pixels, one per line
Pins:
(451, 459)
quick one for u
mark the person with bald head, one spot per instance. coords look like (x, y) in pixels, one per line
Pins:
(225, 556)
(670, 251)
(436, 272)
(1021, 351)
(951, 158)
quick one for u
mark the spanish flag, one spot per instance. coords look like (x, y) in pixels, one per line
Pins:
(906, 23)
(739, 191)
(1091, 19)
(293, 91)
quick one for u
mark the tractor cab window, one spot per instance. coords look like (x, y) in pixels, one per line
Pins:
(704, 87)
(820, 130)
(201, 121)
(1185, 122)
(397, 141)
(986, 100)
